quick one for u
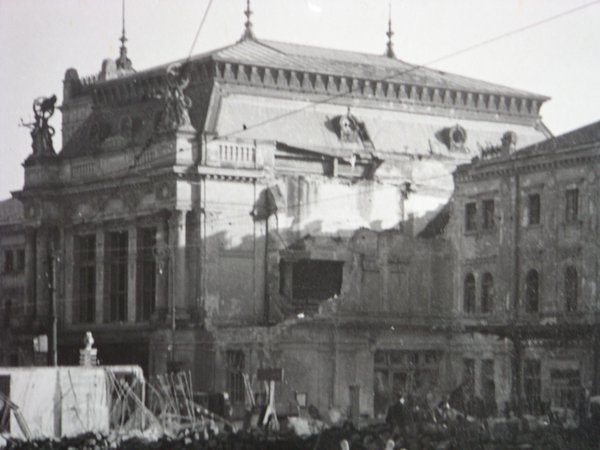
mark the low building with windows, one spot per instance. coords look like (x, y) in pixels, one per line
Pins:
(15, 346)
(525, 228)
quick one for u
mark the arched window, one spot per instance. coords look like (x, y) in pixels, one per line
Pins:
(487, 293)
(532, 291)
(571, 288)
(469, 294)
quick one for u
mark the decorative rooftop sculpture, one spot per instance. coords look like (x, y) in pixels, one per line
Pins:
(176, 103)
(41, 131)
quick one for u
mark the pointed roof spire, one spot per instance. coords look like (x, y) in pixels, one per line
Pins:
(123, 62)
(248, 33)
(389, 52)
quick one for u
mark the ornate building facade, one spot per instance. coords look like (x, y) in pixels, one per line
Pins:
(204, 215)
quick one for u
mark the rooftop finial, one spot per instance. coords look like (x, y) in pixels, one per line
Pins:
(123, 62)
(248, 33)
(389, 52)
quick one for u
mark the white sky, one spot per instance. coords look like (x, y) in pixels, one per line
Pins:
(40, 39)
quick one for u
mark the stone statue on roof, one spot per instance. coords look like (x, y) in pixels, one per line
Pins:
(176, 103)
(41, 131)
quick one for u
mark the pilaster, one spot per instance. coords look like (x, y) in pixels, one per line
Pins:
(43, 278)
(100, 266)
(29, 307)
(131, 273)
(177, 239)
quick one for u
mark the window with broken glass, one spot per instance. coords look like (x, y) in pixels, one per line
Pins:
(471, 216)
(488, 215)
(85, 281)
(469, 294)
(572, 205)
(235, 378)
(469, 376)
(117, 251)
(487, 293)
(488, 386)
(403, 371)
(571, 289)
(146, 276)
(532, 383)
(532, 291)
(533, 209)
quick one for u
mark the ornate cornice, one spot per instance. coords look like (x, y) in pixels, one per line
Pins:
(481, 170)
(205, 72)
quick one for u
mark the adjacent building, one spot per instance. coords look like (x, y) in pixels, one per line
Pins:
(525, 229)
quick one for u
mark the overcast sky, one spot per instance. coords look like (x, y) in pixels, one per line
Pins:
(40, 39)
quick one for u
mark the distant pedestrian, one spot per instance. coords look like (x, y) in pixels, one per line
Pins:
(398, 415)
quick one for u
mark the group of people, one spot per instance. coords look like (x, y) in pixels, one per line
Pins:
(408, 418)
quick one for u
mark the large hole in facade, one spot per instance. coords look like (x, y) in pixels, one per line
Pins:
(306, 282)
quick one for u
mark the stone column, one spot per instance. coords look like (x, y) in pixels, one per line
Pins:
(131, 273)
(69, 268)
(29, 308)
(177, 234)
(42, 269)
(100, 275)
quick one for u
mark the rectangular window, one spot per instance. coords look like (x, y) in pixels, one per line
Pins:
(8, 261)
(235, 378)
(117, 276)
(471, 216)
(534, 209)
(146, 291)
(488, 214)
(572, 205)
(469, 376)
(20, 260)
(532, 381)
(4, 409)
(86, 277)
(488, 386)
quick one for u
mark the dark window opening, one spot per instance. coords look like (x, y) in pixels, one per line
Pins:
(565, 388)
(309, 281)
(7, 314)
(402, 371)
(534, 211)
(532, 291)
(146, 292)
(469, 294)
(488, 214)
(86, 281)
(8, 261)
(469, 377)
(532, 384)
(487, 293)
(488, 386)
(572, 205)
(117, 276)
(571, 289)
(235, 375)
(471, 216)
(4, 408)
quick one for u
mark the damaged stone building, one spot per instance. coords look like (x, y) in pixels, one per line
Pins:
(265, 205)
(524, 230)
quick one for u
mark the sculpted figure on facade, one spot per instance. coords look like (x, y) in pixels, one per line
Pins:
(176, 103)
(41, 131)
